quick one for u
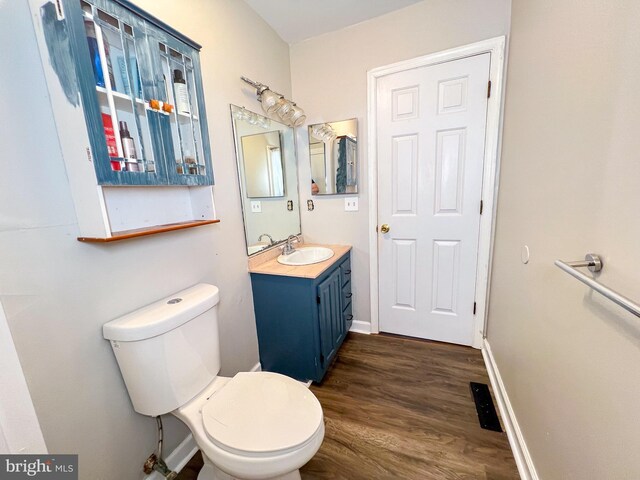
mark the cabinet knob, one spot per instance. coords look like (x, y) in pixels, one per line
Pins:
(347, 272)
(349, 295)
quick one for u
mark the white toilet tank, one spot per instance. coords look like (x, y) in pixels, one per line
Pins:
(168, 351)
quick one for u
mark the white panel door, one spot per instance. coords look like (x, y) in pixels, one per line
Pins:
(430, 140)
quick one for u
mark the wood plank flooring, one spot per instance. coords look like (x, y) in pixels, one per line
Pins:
(399, 408)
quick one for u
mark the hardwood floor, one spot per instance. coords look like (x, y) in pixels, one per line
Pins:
(400, 408)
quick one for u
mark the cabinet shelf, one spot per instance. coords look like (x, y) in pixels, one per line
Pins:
(187, 116)
(142, 232)
(119, 95)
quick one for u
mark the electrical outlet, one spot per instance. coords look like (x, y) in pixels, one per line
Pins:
(256, 206)
(351, 204)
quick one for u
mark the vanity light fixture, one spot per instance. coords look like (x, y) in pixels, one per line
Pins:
(275, 103)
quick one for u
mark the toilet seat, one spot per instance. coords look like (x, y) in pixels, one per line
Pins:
(262, 413)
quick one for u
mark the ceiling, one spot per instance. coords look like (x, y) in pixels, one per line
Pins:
(297, 20)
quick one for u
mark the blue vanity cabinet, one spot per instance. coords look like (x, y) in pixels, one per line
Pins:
(331, 322)
(302, 322)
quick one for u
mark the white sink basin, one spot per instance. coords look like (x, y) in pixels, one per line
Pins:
(306, 256)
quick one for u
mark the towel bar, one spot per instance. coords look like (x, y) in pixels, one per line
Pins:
(594, 263)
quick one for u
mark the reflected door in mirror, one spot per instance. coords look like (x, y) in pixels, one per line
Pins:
(264, 171)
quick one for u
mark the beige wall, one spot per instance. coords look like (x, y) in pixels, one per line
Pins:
(329, 77)
(57, 292)
(569, 185)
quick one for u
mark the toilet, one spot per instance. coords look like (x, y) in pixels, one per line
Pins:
(256, 425)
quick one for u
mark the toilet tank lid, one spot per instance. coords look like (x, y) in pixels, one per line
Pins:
(163, 315)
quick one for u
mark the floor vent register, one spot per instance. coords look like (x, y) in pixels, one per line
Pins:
(484, 406)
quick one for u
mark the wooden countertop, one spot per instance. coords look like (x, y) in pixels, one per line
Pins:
(272, 267)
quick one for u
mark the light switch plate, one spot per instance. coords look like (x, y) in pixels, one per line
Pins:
(351, 204)
(256, 206)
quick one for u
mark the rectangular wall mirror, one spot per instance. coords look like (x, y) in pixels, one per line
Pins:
(268, 176)
(333, 151)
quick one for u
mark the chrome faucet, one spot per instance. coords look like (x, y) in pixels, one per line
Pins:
(271, 242)
(288, 247)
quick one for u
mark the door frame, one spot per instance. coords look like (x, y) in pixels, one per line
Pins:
(496, 47)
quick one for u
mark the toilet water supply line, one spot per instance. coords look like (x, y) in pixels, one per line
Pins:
(156, 462)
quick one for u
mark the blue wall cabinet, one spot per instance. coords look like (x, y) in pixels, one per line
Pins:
(302, 322)
(127, 95)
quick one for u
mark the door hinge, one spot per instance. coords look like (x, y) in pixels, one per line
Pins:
(489, 90)
(474, 308)
(481, 207)
(318, 299)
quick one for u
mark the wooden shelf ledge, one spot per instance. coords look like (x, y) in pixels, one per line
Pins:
(142, 232)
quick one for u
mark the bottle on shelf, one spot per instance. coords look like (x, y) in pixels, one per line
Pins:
(128, 148)
(94, 52)
(180, 88)
(108, 58)
(110, 138)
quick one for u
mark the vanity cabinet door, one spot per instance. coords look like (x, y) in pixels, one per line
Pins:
(332, 326)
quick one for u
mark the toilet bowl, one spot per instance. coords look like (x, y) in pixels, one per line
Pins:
(255, 425)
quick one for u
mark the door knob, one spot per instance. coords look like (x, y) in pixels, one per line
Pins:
(385, 228)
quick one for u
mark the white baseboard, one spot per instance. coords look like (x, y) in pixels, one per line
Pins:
(359, 326)
(516, 439)
(178, 458)
(256, 368)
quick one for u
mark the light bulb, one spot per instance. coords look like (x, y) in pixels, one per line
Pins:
(269, 101)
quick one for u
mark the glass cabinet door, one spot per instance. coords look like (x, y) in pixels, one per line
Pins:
(186, 161)
(116, 51)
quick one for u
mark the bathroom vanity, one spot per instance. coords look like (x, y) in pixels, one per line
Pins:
(303, 313)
